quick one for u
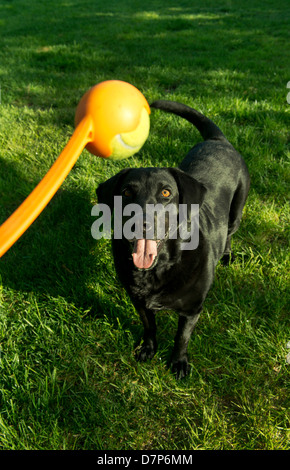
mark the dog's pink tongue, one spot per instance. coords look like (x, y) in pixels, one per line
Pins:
(144, 253)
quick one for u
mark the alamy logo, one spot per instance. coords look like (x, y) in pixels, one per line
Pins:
(156, 222)
(288, 95)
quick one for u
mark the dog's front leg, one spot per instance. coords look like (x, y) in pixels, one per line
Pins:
(147, 348)
(179, 359)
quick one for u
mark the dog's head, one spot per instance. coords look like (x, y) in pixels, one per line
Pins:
(154, 195)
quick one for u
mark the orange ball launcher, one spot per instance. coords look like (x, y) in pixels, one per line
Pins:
(109, 109)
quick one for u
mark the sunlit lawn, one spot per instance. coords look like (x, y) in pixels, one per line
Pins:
(68, 377)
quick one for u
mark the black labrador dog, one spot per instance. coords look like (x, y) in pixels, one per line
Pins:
(160, 273)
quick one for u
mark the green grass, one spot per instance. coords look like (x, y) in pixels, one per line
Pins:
(68, 378)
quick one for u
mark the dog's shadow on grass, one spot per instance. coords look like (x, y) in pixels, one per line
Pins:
(57, 255)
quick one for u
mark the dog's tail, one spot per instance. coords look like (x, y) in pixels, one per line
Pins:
(205, 126)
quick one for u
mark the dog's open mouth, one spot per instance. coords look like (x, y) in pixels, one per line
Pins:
(145, 253)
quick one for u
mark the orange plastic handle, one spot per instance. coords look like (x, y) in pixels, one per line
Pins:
(29, 210)
(105, 110)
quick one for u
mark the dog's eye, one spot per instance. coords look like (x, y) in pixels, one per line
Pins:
(127, 192)
(165, 192)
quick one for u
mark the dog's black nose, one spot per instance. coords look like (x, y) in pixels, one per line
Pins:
(147, 225)
(148, 229)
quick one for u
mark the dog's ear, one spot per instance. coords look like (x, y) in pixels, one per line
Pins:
(190, 190)
(107, 190)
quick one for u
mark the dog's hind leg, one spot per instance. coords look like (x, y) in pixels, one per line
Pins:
(228, 255)
(235, 216)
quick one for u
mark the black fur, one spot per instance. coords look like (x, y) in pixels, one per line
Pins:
(213, 175)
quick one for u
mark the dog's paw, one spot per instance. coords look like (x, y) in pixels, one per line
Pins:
(180, 368)
(146, 350)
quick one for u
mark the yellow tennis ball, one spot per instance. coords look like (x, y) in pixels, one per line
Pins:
(120, 115)
(126, 144)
